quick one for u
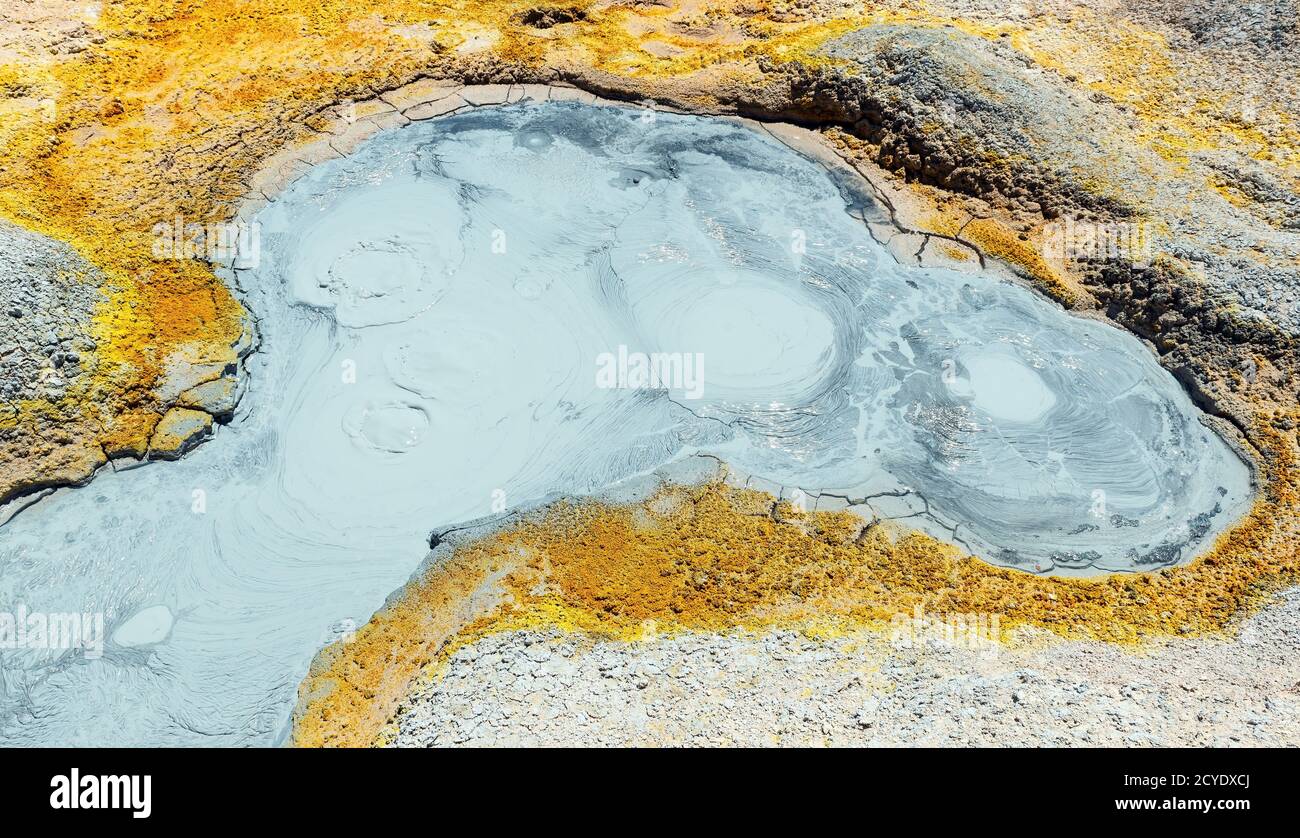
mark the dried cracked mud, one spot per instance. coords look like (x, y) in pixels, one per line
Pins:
(702, 602)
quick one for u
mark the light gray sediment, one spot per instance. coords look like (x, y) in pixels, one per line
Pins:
(876, 690)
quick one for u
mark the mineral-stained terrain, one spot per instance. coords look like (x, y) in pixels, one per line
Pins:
(985, 128)
(785, 688)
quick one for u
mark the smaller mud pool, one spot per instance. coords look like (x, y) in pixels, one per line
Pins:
(466, 315)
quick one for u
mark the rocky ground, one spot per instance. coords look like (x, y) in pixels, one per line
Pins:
(51, 396)
(48, 304)
(870, 689)
(48, 296)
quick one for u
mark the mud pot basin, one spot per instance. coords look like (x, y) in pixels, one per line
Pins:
(512, 304)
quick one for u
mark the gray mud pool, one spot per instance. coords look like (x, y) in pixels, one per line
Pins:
(475, 313)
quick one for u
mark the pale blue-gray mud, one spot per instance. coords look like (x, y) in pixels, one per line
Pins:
(523, 302)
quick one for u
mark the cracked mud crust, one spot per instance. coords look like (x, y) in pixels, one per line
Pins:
(977, 127)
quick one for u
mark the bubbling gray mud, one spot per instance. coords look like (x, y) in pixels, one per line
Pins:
(452, 320)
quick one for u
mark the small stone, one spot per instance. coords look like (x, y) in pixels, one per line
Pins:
(178, 431)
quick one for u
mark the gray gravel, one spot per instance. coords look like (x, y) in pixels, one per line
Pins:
(526, 688)
(48, 295)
